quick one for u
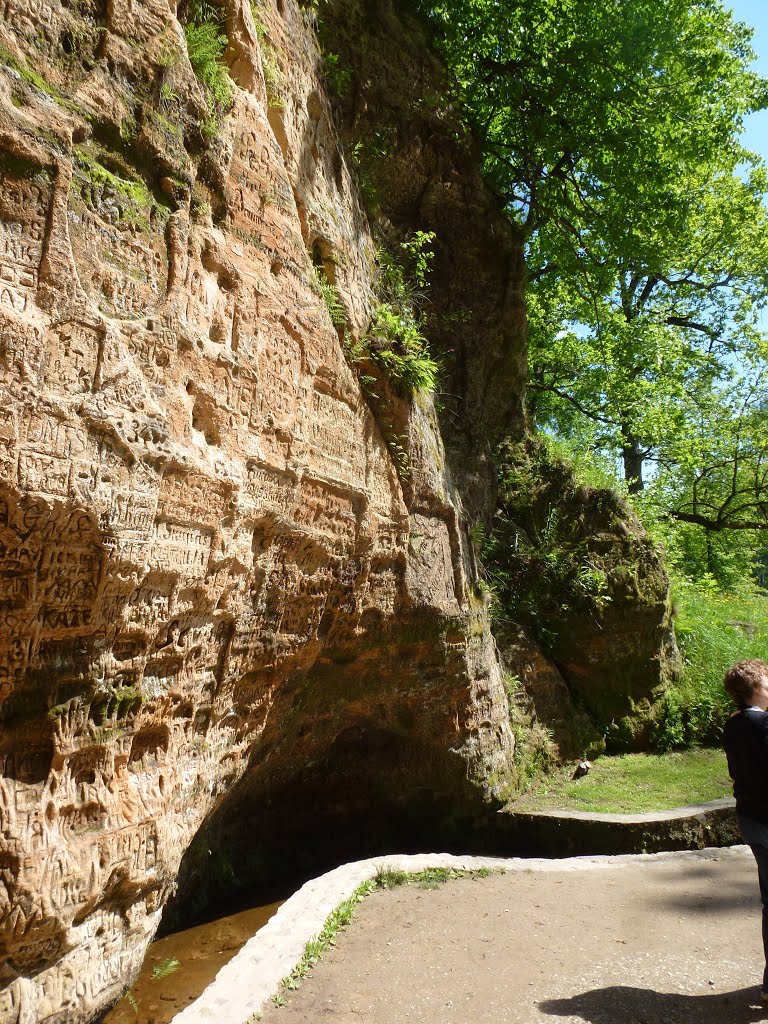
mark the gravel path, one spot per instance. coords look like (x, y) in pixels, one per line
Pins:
(673, 941)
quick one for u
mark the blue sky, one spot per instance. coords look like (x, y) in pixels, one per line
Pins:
(755, 13)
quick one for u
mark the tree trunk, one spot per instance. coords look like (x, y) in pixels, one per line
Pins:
(710, 554)
(632, 457)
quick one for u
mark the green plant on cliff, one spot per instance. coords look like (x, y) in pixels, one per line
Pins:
(206, 43)
(339, 78)
(394, 341)
(134, 197)
(31, 76)
(393, 351)
(274, 79)
(397, 345)
(332, 299)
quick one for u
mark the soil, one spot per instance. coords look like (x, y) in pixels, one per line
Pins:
(676, 942)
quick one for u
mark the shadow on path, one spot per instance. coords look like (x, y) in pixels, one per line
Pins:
(620, 1004)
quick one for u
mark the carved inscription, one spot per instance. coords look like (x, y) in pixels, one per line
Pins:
(181, 549)
(189, 498)
(23, 207)
(332, 431)
(72, 353)
(327, 510)
(430, 567)
(266, 487)
(199, 519)
(123, 273)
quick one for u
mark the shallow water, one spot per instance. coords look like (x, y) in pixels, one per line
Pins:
(201, 951)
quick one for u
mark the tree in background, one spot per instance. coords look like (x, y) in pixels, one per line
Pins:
(610, 132)
(637, 347)
(590, 113)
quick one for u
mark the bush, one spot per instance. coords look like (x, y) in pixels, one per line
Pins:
(541, 560)
(398, 347)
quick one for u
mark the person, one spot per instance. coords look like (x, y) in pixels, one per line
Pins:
(745, 739)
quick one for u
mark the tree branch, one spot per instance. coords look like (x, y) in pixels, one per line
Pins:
(573, 401)
(716, 525)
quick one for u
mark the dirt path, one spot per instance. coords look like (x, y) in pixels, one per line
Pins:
(664, 943)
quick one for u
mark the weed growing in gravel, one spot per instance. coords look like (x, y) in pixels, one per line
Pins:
(433, 878)
(389, 878)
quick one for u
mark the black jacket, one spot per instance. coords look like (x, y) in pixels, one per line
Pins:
(745, 739)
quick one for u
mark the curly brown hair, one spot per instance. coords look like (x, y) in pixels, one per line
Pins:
(743, 679)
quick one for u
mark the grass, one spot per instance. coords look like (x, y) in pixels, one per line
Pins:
(713, 631)
(633, 783)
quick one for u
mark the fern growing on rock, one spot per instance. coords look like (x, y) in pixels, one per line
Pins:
(206, 43)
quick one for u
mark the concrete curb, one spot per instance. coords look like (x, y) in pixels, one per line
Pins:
(244, 985)
(690, 811)
(554, 833)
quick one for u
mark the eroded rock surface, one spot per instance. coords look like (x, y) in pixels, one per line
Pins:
(215, 578)
(198, 513)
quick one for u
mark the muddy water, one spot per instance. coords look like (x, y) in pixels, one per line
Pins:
(201, 951)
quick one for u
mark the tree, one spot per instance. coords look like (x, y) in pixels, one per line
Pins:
(628, 343)
(715, 473)
(610, 132)
(576, 103)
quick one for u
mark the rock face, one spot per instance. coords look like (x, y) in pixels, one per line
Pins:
(204, 535)
(215, 580)
(580, 573)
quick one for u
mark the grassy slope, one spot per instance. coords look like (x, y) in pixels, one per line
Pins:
(634, 783)
(716, 630)
(713, 631)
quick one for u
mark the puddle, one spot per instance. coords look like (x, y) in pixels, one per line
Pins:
(201, 951)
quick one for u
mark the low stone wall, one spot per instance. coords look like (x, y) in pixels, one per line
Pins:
(569, 833)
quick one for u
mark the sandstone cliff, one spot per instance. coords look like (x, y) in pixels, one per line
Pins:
(221, 587)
